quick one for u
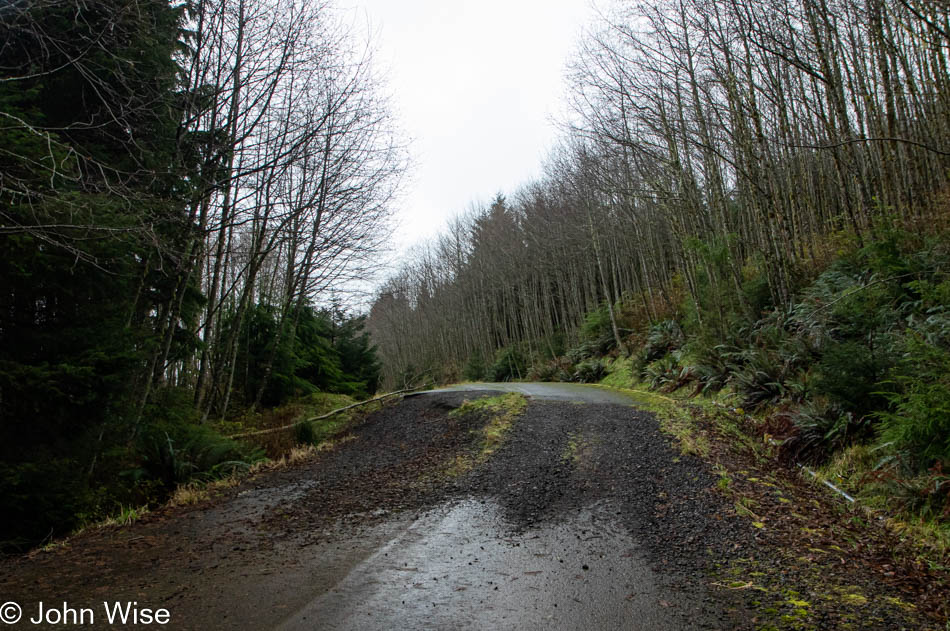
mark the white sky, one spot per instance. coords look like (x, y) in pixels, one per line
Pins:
(475, 86)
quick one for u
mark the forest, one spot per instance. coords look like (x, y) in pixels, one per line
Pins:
(183, 188)
(749, 201)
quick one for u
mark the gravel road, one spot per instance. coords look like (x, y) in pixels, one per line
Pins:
(585, 517)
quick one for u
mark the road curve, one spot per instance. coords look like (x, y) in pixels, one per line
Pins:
(576, 392)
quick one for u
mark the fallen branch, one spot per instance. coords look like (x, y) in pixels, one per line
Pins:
(322, 416)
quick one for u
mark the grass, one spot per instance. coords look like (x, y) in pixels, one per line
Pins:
(676, 418)
(571, 450)
(855, 469)
(502, 412)
(724, 483)
(196, 492)
(279, 443)
(188, 495)
(579, 450)
(126, 517)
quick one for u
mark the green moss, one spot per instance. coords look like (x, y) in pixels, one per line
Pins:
(897, 602)
(854, 599)
(724, 483)
(570, 450)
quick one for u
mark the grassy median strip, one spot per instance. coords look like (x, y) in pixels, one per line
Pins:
(502, 412)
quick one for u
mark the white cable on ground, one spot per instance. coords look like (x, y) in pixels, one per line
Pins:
(828, 484)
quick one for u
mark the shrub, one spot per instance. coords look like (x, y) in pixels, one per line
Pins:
(584, 350)
(802, 386)
(558, 369)
(668, 373)
(553, 346)
(918, 426)
(823, 427)
(756, 293)
(760, 375)
(509, 364)
(663, 337)
(589, 371)
(927, 495)
(850, 371)
(475, 368)
(176, 455)
(304, 433)
(596, 324)
(713, 365)
(543, 371)
(813, 318)
(41, 499)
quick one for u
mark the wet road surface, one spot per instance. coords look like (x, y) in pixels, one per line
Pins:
(584, 519)
(576, 392)
(464, 565)
(458, 566)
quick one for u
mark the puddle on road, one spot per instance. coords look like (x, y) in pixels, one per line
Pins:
(459, 566)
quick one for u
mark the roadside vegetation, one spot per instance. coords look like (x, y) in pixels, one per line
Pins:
(851, 380)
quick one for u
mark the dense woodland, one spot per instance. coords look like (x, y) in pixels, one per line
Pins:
(749, 195)
(182, 185)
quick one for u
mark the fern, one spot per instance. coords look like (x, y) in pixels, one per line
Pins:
(918, 425)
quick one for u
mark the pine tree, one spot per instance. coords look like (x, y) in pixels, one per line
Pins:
(90, 220)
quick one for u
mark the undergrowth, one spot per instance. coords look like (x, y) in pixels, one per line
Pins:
(857, 364)
(186, 464)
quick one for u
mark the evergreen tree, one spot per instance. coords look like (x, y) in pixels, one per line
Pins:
(90, 218)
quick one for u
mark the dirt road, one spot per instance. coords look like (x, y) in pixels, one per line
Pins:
(585, 517)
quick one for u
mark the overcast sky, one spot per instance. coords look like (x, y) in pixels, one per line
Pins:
(476, 83)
